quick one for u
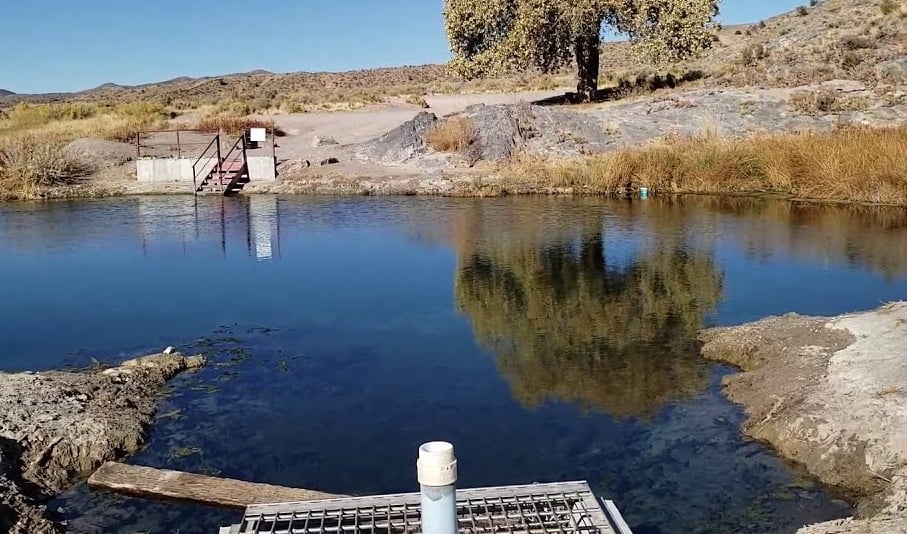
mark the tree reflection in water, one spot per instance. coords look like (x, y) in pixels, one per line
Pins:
(566, 325)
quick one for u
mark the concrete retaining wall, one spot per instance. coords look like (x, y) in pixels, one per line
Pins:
(261, 169)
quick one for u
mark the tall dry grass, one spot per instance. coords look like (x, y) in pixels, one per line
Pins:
(74, 120)
(858, 164)
(31, 164)
(232, 125)
(452, 135)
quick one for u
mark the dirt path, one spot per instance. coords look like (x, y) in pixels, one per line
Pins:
(56, 427)
(831, 394)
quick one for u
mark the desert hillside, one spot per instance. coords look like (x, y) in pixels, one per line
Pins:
(834, 39)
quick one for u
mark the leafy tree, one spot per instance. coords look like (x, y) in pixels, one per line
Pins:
(491, 37)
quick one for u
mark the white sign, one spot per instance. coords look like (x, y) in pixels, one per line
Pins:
(257, 135)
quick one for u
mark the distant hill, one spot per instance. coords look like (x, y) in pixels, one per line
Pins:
(4, 92)
(251, 85)
(833, 39)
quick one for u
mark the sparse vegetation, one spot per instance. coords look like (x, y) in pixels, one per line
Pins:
(802, 11)
(849, 164)
(457, 134)
(856, 42)
(824, 101)
(889, 6)
(418, 101)
(232, 125)
(29, 164)
(751, 54)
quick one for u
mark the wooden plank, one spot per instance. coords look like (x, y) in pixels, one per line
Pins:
(153, 483)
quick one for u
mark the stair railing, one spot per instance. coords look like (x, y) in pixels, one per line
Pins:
(236, 154)
(212, 151)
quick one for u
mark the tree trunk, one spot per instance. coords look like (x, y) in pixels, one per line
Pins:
(587, 62)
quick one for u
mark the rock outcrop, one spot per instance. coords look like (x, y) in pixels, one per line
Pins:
(830, 394)
(56, 427)
(399, 145)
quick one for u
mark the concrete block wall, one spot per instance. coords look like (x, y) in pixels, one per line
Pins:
(261, 169)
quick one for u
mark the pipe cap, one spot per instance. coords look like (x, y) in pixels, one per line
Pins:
(437, 465)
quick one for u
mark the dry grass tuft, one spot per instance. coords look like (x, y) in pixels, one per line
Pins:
(232, 125)
(29, 164)
(850, 164)
(416, 100)
(824, 101)
(457, 134)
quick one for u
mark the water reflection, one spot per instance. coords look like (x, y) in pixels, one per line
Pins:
(245, 225)
(566, 324)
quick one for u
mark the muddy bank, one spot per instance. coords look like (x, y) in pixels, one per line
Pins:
(830, 393)
(56, 427)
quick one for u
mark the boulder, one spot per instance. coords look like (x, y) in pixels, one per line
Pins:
(399, 145)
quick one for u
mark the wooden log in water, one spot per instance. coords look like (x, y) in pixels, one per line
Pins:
(153, 483)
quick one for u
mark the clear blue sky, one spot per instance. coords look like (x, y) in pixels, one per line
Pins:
(68, 45)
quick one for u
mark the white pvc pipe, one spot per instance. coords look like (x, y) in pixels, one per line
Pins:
(437, 468)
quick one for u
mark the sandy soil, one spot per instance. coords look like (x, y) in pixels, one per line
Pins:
(56, 427)
(831, 394)
(359, 126)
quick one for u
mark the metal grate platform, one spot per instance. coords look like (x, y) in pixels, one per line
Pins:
(562, 508)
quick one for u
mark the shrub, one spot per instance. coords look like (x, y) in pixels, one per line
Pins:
(759, 51)
(856, 42)
(761, 24)
(453, 135)
(25, 115)
(825, 101)
(850, 60)
(802, 11)
(418, 101)
(747, 57)
(750, 54)
(30, 163)
(141, 110)
(813, 102)
(232, 125)
(813, 3)
(889, 6)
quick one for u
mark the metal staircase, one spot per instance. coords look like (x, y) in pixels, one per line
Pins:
(216, 173)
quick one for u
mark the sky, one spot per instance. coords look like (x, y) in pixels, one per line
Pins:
(70, 45)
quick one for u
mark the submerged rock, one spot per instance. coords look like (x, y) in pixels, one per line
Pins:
(56, 427)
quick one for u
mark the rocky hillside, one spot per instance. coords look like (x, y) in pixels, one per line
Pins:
(190, 92)
(834, 39)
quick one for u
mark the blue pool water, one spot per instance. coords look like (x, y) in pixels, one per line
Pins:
(549, 339)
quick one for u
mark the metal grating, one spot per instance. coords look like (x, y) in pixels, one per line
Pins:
(562, 508)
